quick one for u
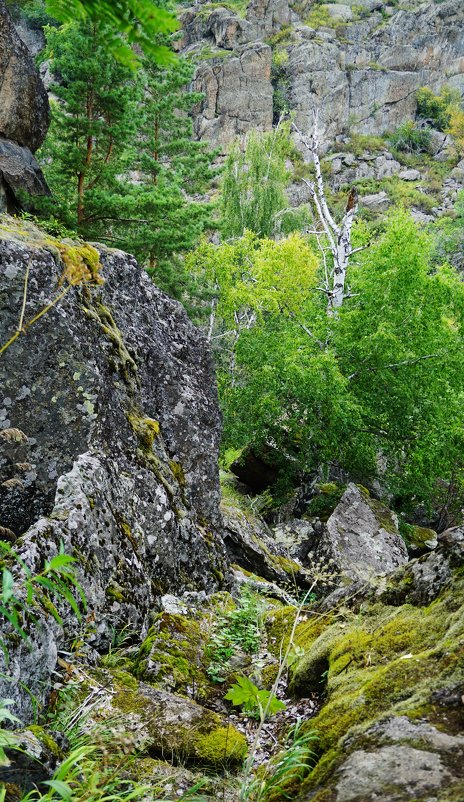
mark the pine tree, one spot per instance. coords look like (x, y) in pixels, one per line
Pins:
(94, 120)
(119, 158)
(173, 171)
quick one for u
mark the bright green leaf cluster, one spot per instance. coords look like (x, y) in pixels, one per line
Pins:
(22, 590)
(259, 703)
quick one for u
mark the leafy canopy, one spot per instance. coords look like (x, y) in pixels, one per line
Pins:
(378, 391)
(253, 187)
(128, 23)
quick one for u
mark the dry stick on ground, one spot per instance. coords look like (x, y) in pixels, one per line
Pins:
(338, 235)
(282, 668)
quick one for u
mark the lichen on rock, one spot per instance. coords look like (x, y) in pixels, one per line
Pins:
(114, 391)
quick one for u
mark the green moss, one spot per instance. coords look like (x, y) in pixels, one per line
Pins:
(384, 516)
(46, 739)
(129, 702)
(289, 566)
(221, 747)
(385, 661)
(122, 362)
(114, 591)
(80, 260)
(124, 679)
(172, 657)
(206, 741)
(278, 624)
(269, 675)
(178, 473)
(418, 538)
(319, 17)
(146, 429)
(322, 505)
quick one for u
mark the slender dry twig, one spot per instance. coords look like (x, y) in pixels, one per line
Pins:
(282, 668)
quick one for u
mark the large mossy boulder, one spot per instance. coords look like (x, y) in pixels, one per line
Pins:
(173, 725)
(164, 725)
(109, 426)
(389, 661)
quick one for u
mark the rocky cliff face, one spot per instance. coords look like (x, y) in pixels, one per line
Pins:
(24, 115)
(359, 63)
(109, 431)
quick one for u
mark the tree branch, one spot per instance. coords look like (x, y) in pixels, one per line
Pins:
(401, 364)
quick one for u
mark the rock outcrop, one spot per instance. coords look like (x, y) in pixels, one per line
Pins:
(238, 94)
(24, 116)
(360, 64)
(109, 428)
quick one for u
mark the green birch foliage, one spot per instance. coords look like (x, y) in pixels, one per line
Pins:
(278, 381)
(377, 391)
(253, 188)
(400, 340)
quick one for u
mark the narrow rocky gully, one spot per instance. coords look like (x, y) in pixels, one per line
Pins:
(177, 621)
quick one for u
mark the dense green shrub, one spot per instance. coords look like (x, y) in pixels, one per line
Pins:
(410, 138)
(436, 108)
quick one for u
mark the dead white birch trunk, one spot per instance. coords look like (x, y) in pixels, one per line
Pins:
(338, 235)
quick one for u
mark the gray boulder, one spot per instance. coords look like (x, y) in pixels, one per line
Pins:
(19, 170)
(109, 428)
(391, 773)
(253, 546)
(361, 538)
(377, 202)
(24, 115)
(399, 760)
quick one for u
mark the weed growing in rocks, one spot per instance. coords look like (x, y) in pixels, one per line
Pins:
(237, 629)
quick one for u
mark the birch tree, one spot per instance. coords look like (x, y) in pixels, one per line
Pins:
(337, 235)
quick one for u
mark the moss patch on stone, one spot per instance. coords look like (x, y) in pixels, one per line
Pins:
(384, 661)
(193, 735)
(221, 747)
(171, 655)
(46, 740)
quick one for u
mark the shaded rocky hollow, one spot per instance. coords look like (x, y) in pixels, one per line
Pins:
(24, 115)
(359, 63)
(109, 432)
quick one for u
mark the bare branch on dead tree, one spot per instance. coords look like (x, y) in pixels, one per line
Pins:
(338, 235)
